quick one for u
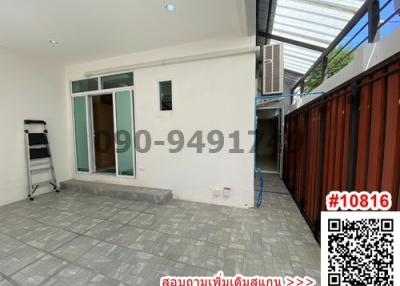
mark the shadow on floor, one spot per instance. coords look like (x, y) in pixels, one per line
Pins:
(73, 238)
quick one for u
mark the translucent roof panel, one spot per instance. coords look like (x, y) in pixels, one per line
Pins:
(315, 22)
(298, 59)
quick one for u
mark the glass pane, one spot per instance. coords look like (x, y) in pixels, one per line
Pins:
(117, 80)
(85, 85)
(390, 19)
(124, 118)
(165, 95)
(81, 140)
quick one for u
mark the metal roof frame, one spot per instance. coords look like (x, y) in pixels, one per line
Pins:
(305, 50)
(370, 5)
(291, 41)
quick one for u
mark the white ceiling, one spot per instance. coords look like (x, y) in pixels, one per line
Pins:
(93, 29)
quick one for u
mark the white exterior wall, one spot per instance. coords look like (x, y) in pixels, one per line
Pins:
(208, 94)
(31, 88)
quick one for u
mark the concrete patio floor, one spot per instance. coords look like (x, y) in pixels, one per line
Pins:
(73, 238)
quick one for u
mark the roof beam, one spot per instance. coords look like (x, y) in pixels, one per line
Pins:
(257, 13)
(300, 36)
(269, 22)
(292, 42)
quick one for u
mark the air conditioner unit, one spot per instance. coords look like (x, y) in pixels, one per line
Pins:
(272, 69)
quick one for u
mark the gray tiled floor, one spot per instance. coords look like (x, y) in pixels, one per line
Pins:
(78, 239)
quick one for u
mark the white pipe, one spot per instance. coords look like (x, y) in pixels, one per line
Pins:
(176, 60)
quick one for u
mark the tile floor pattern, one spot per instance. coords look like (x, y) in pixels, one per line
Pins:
(79, 239)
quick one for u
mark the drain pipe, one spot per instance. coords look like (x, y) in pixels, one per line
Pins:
(260, 198)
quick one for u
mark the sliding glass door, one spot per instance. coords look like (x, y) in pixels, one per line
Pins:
(124, 132)
(123, 121)
(80, 105)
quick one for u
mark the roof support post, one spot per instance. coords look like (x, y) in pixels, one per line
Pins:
(324, 69)
(320, 169)
(268, 21)
(373, 20)
(302, 88)
(355, 118)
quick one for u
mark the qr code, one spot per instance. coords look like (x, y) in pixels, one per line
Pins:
(360, 248)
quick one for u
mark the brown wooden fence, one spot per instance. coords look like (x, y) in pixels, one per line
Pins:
(348, 139)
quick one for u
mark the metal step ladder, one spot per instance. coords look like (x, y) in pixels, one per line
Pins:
(38, 156)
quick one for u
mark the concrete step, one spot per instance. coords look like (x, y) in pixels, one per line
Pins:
(150, 195)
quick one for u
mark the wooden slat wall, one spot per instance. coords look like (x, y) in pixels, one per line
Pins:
(317, 147)
(391, 151)
(337, 138)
